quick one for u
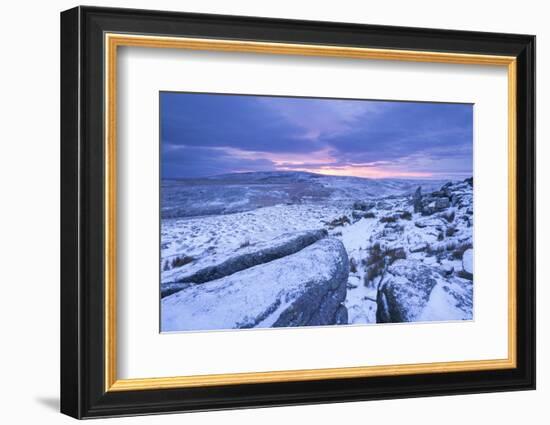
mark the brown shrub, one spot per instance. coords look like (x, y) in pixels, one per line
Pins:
(339, 221)
(450, 231)
(388, 219)
(352, 265)
(405, 215)
(181, 261)
(379, 258)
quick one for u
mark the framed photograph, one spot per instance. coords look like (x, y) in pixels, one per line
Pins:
(261, 212)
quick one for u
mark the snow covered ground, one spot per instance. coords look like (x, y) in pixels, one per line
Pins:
(231, 193)
(399, 244)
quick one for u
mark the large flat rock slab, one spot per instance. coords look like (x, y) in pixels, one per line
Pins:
(302, 289)
(242, 259)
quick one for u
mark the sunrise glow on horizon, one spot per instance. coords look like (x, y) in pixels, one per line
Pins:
(370, 172)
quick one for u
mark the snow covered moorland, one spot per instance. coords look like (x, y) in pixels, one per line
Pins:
(279, 249)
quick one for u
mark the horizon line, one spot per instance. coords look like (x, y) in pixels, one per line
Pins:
(397, 177)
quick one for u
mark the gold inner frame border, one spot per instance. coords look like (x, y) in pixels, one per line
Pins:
(113, 40)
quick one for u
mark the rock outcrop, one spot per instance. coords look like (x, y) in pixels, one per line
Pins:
(417, 200)
(450, 194)
(468, 263)
(412, 292)
(363, 205)
(245, 258)
(302, 289)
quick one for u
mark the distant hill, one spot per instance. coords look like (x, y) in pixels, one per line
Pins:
(237, 192)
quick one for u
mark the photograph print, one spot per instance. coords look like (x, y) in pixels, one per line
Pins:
(281, 212)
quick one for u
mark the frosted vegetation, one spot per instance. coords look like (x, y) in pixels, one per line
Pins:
(276, 249)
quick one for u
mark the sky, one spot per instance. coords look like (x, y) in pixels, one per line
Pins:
(211, 134)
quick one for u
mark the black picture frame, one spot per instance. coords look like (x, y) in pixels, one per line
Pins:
(83, 392)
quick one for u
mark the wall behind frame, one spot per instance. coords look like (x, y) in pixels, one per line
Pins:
(29, 219)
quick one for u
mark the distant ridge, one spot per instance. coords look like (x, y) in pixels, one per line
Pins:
(237, 192)
(299, 175)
